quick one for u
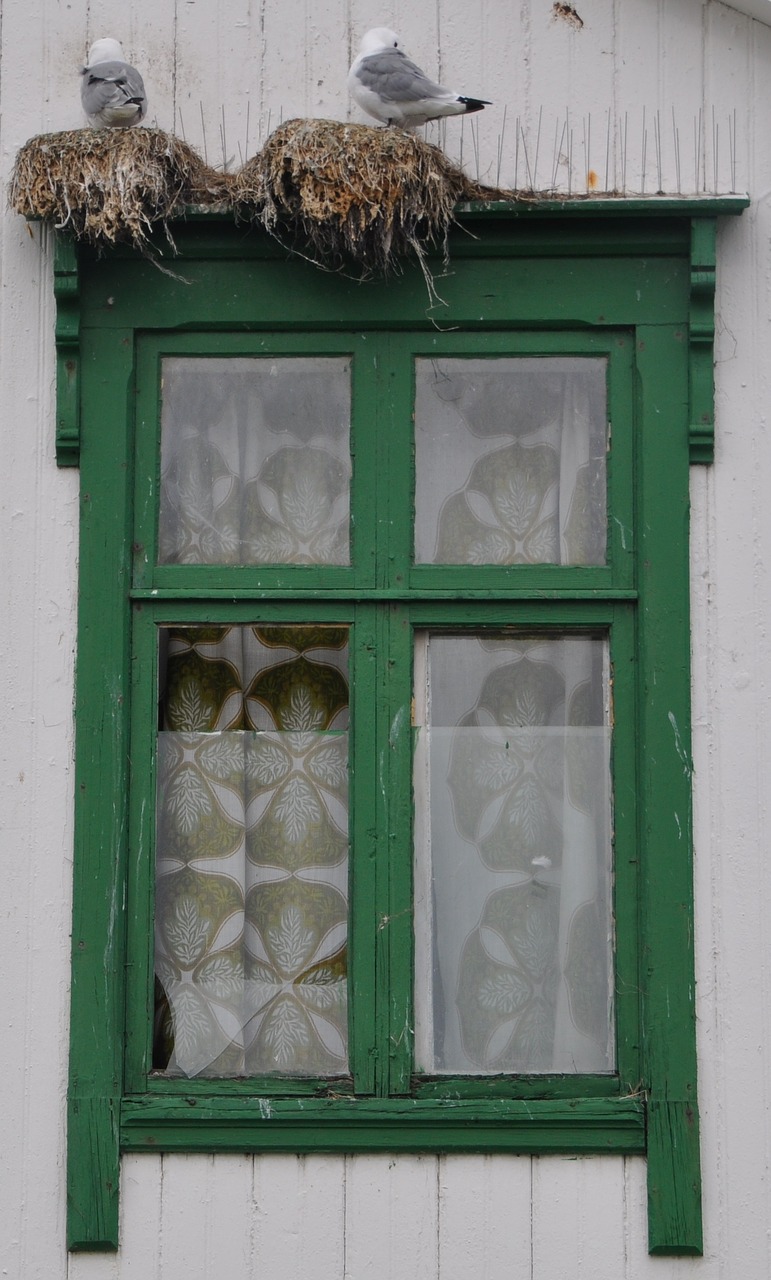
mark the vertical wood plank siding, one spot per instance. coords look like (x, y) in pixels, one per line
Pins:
(233, 70)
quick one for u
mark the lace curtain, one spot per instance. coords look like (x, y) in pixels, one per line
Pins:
(513, 859)
(510, 460)
(255, 460)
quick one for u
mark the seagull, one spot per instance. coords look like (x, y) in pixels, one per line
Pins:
(391, 88)
(112, 92)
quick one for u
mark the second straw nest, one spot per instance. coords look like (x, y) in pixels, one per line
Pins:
(347, 196)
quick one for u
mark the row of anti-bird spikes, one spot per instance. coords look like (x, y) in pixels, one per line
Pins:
(632, 153)
(382, 80)
(625, 153)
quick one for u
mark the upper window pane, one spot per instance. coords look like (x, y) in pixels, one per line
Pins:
(255, 460)
(510, 461)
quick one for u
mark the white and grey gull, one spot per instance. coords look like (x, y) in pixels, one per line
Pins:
(112, 91)
(387, 85)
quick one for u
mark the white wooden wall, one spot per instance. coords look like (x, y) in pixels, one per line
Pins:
(190, 1218)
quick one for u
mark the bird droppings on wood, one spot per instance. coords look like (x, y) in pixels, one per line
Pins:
(568, 14)
(347, 196)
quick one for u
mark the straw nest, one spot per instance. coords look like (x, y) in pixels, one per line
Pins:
(113, 184)
(350, 196)
(347, 196)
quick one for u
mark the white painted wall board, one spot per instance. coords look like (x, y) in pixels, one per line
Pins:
(739, 714)
(578, 1218)
(205, 1213)
(37, 618)
(484, 1227)
(391, 1218)
(570, 78)
(298, 1222)
(218, 68)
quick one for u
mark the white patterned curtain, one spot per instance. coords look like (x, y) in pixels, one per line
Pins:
(510, 460)
(255, 460)
(252, 852)
(513, 860)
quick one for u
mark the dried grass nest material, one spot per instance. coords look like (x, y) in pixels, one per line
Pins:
(351, 195)
(347, 196)
(113, 184)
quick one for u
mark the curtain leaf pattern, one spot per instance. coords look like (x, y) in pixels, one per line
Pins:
(514, 862)
(510, 461)
(252, 852)
(255, 460)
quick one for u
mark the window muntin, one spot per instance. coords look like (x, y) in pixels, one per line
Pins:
(513, 914)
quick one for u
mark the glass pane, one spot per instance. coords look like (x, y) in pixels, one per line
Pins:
(513, 915)
(252, 852)
(255, 461)
(510, 461)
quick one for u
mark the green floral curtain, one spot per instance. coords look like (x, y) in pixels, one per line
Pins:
(252, 851)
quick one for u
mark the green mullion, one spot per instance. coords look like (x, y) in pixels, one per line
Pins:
(141, 870)
(626, 855)
(366, 811)
(553, 614)
(404, 594)
(398, 923)
(401, 486)
(98, 957)
(520, 579)
(203, 610)
(545, 1087)
(620, 459)
(674, 1179)
(148, 463)
(380, 918)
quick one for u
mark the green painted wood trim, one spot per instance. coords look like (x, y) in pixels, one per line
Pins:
(249, 297)
(539, 205)
(610, 206)
(395, 1124)
(665, 828)
(67, 337)
(702, 339)
(101, 791)
(674, 1178)
(93, 1177)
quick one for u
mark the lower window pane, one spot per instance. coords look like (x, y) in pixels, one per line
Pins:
(252, 852)
(513, 925)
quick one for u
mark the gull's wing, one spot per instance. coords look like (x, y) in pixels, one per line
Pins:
(394, 78)
(109, 85)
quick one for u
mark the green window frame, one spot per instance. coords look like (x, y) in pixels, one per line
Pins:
(631, 282)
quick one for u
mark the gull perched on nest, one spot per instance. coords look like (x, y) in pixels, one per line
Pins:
(112, 92)
(391, 88)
